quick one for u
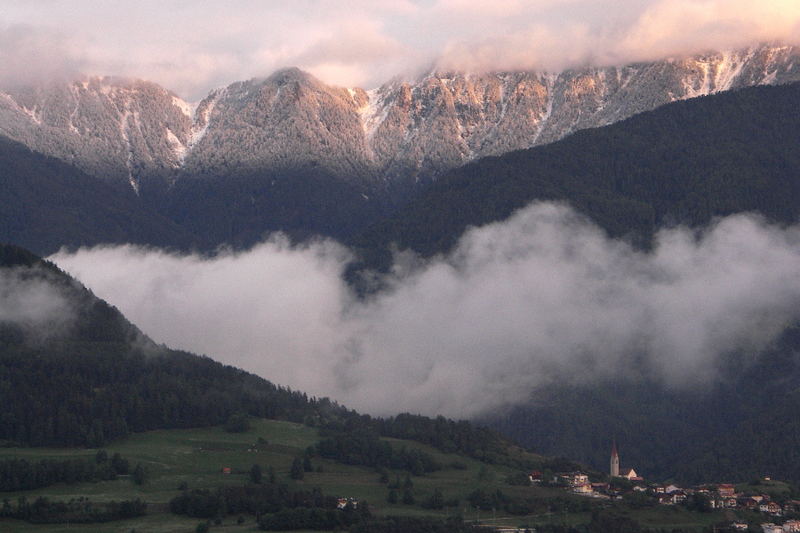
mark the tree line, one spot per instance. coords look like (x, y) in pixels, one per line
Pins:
(21, 474)
(75, 511)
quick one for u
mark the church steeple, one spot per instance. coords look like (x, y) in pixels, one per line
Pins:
(614, 460)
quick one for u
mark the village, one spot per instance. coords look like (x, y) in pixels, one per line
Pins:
(625, 484)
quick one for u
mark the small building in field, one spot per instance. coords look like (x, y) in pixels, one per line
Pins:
(342, 503)
(573, 479)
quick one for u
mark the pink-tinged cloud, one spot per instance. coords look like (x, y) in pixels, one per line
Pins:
(191, 47)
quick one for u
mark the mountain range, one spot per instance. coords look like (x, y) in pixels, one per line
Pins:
(134, 132)
(290, 153)
(112, 160)
(683, 163)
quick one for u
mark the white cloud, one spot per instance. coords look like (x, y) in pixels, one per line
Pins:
(543, 295)
(33, 303)
(191, 47)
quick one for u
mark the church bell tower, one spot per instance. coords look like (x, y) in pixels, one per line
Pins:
(614, 460)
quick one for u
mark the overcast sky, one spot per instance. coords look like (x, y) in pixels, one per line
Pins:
(193, 46)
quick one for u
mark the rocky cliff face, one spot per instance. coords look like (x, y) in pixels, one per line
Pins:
(288, 121)
(123, 131)
(444, 120)
(130, 131)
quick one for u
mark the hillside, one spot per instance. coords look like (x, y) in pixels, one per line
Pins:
(741, 427)
(46, 204)
(683, 163)
(209, 475)
(240, 209)
(75, 372)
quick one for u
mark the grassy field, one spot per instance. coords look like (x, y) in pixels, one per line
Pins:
(197, 457)
(670, 517)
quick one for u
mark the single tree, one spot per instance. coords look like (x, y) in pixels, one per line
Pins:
(255, 474)
(297, 469)
(139, 474)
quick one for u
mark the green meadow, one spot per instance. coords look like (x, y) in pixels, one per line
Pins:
(196, 458)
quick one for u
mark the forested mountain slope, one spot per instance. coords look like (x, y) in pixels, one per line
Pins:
(290, 153)
(75, 372)
(683, 163)
(46, 203)
(741, 426)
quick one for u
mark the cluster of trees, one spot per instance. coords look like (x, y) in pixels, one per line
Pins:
(78, 510)
(250, 499)
(298, 202)
(364, 447)
(486, 500)
(403, 492)
(301, 465)
(21, 474)
(275, 505)
(447, 435)
(90, 394)
(314, 518)
(409, 524)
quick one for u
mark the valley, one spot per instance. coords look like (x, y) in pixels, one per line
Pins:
(195, 459)
(413, 266)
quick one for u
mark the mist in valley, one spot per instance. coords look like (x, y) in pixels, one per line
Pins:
(544, 295)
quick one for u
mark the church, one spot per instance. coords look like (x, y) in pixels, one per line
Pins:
(628, 473)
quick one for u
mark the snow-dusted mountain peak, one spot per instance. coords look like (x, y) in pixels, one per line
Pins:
(130, 131)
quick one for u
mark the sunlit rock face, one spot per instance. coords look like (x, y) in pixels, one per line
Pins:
(444, 120)
(121, 130)
(289, 120)
(132, 131)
